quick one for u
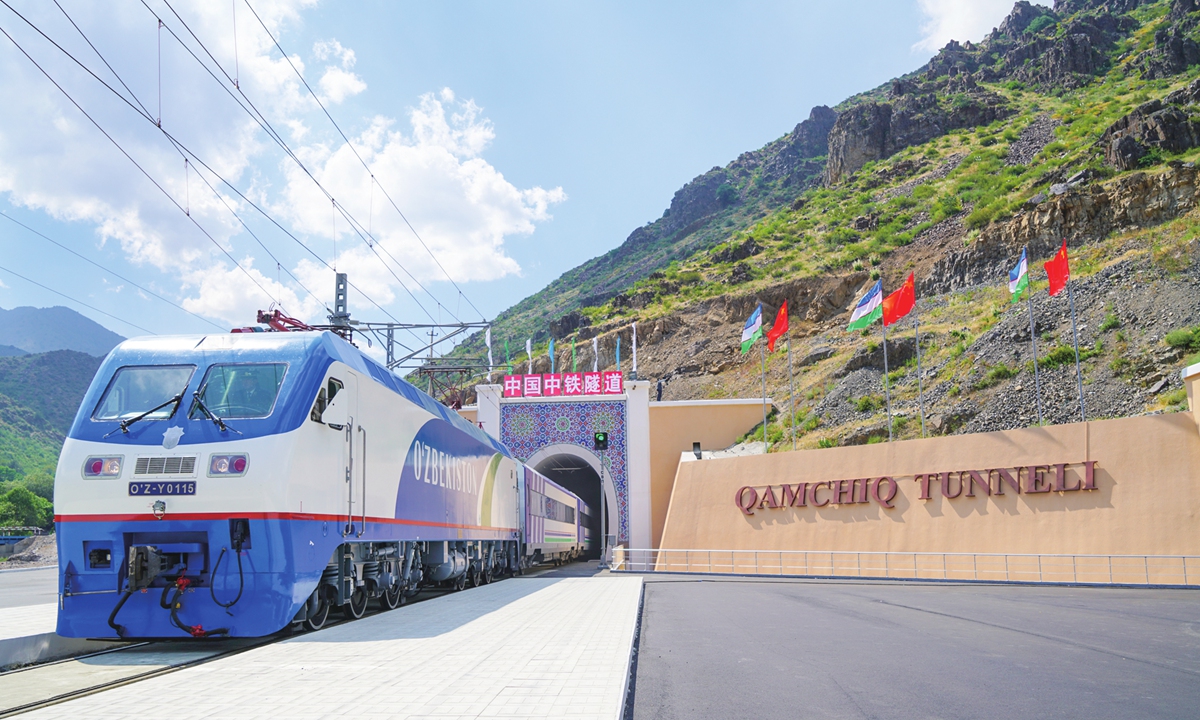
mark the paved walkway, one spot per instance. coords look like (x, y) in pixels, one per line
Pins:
(520, 648)
(29, 620)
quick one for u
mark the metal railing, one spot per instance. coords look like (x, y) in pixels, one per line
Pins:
(1173, 570)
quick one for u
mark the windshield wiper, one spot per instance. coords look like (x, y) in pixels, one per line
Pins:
(124, 426)
(209, 413)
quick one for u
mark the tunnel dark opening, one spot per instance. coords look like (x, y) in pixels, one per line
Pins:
(577, 476)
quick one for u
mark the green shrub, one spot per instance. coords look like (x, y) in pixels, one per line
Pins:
(826, 443)
(1185, 338)
(995, 374)
(1177, 399)
(1039, 24)
(727, 194)
(1111, 322)
(946, 206)
(1065, 354)
(691, 277)
(867, 403)
(923, 192)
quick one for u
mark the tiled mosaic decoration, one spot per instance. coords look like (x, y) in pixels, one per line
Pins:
(528, 427)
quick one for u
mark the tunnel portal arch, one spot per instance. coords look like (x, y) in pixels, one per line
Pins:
(579, 470)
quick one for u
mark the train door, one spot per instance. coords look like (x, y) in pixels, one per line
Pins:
(341, 414)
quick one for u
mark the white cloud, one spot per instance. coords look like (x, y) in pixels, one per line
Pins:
(53, 160)
(961, 20)
(463, 207)
(337, 85)
(326, 49)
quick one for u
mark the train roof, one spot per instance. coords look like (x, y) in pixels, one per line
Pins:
(293, 347)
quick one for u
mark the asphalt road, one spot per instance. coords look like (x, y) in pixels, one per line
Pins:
(745, 648)
(28, 587)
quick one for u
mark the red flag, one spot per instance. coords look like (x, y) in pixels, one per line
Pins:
(779, 328)
(900, 303)
(1058, 270)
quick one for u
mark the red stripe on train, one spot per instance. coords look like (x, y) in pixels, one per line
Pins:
(139, 517)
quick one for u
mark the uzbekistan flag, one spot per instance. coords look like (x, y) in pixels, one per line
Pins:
(869, 309)
(753, 329)
(1018, 278)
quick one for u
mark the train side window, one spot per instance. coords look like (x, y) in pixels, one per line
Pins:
(324, 395)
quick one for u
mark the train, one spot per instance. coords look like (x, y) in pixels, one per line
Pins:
(242, 484)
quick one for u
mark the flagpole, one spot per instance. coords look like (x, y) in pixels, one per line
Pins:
(791, 387)
(920, 386)
(886, 392)
(1037, 376)
(1075, 332)
(763, 355)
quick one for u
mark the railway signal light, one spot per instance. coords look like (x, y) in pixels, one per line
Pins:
(600, 441)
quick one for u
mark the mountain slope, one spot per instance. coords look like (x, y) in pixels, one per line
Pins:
(1079, 122)
(701, 214)
(39, 396)
(39, 330)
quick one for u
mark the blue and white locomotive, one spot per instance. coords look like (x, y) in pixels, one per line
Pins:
(235, 484)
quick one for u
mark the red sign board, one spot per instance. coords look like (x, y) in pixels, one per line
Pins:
(558, 384)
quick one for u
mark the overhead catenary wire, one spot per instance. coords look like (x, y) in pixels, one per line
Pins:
(261, 119)
(180, 147)
(116, 144)
(363, 162)
(115, 274)
(183, 150)
(77, 302)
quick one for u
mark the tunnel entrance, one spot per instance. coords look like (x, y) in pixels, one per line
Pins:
(578, 476)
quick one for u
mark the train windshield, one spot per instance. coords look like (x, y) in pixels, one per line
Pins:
(240, 391)
(136, 389)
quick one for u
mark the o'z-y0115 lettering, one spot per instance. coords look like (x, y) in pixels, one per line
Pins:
(162, 488)
(1028, 479)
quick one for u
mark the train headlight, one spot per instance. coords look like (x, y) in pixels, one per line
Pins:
(227, 465)
(102, 466)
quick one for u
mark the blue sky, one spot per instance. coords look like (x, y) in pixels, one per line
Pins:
(519, 139)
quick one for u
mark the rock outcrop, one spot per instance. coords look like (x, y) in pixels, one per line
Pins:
(1128, 202)
(1171, 124)
(876, 130)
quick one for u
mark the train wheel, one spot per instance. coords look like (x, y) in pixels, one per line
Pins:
(357, 606)
(475, 576)
(460, 582)
(316, 621)
(392, 598)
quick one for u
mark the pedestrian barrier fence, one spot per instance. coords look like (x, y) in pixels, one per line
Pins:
(1176, 570)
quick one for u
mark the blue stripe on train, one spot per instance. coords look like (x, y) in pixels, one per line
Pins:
(281, 567)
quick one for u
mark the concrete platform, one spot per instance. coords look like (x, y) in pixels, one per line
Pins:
(27, 636)
(524, 647)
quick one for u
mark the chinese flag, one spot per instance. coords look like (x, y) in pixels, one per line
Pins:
(1058, 270)
(900, 303)
(779, 328)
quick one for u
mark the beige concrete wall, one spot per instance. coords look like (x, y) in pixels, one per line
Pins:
(674, 426)
(470, 412)
(1146, 501)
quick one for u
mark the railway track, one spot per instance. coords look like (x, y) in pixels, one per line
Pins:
(38, 686)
